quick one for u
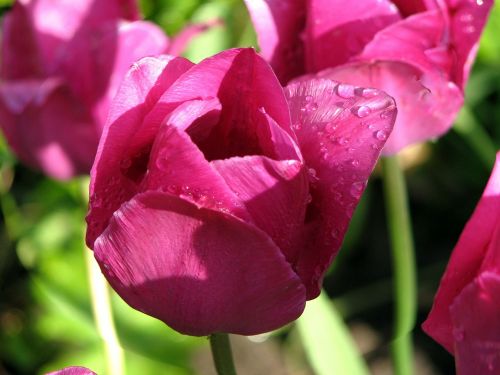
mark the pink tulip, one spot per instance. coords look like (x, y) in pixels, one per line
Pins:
(73, 371)
(62, 62)
(213, 209)
(465, 315)
(418, 51)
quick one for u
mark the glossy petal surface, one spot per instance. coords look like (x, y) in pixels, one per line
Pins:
(345, 28)
(473, 253)
(275, 194)
(427, 105)
(418, 51)
(340, 130)
(279, 24)
(178, 167)
(122, 157)
(244, 84)
(191, 272)
(467, 19)
(476, 328)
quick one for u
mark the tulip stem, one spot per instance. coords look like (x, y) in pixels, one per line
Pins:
(404, 267)
(221, 353)
(103, 316)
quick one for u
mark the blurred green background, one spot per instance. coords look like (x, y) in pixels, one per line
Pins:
(45, 317)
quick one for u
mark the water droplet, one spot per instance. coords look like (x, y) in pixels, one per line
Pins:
(334, 233)
(297, 126)
(386, 114)
(479, 2)
(125, 163)
(466, 17)
(312, 175)
(309, 98)
(173, 189)
(424, 94)
(469, 29)
(309, 107)
(342, 140)
(369, 93)
(337, 195)
(309, 198)
(345, 91)
(355, 162)
(162, 163)
(362, 111)
(96, 201)
(381, 135)
(357, 189)
(331, 127)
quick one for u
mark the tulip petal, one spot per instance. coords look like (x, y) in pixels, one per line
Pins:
(476, 328)
(408, 40)
(58, 21)
(279, 24)
(244, 83)
(341, 130)
(275, 194)
(139, 92)
(200, 271)
(74, 370)
(52, 116)
(410, 7)
(466, 260)
(197, 117)
(18, 39)
(346, 28)
(96, 61)
(427, 104)
(468, 19)
(174, 161)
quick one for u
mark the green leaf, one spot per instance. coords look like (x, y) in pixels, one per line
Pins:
(327, 341)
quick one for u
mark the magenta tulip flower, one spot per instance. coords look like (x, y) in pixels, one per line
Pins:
(465, 315)
(62, 62)
(418, 51)
(218, 199)
(73, 371)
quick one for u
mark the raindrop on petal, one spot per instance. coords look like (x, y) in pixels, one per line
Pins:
(369, 93)
(345, 91)
(362, 111)
(381, 135)
(357, 189)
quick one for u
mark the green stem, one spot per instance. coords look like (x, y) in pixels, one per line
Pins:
(221, 353)
(103, 316)
(101, 305)
(403, 255)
